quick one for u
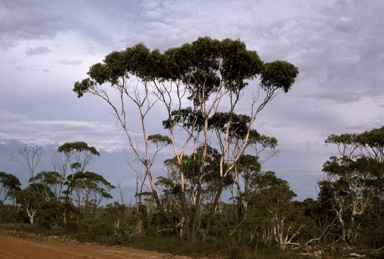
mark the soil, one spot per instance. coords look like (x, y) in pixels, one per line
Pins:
(31, 247)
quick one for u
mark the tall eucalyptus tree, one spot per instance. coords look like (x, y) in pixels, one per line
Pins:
(188, 85)
(354, 182)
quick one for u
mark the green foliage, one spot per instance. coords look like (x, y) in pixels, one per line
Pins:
(9, 184)
(77, 147)
(265, 141)
(209, 178)
(89, 188)
(50, 214)
(353, 189)
(156, 138)
(10, 214)
(279, 74)
(48, 178)
(205, 62)
(236, 123)
(51, 179)
(186, 118)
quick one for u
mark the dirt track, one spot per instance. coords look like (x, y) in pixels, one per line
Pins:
(42, 248)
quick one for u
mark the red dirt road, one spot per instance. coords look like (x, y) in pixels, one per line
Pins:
(47, 248)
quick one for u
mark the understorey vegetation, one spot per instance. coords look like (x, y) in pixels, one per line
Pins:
(213, 197)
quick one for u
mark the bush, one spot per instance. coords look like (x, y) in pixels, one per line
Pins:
(10, 214)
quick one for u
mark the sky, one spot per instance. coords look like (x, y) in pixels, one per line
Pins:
(47, 45)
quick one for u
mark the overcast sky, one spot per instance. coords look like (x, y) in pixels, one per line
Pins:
(47, 45)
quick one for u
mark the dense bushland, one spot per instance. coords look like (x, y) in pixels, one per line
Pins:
(265, 221)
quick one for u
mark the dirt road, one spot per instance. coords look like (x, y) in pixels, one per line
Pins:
(43, 248)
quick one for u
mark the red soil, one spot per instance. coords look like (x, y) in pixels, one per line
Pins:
(55, 247)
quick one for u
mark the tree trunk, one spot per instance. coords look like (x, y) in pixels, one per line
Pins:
(214, 205)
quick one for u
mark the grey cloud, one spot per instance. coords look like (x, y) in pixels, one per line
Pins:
(105, 136)
(71, 62)
(345, 24)
(165, 24)
(26, 68)
(89, 51)
(14, 127)
(38, 51)
(338, 96)
(372, 121)
(20, 68)
(148, 4)
(25, 3)
(152, 14)
(342, 51)
(22, 20)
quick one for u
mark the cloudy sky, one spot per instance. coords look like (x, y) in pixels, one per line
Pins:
(47, 45)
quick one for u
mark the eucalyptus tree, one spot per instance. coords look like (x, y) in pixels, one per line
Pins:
(32, 198)
(353, 184)
(89, 189)
(188, 85)
(247, 172)
(60, 165)
(197, 186)
(52, 180)
(29, 158)
(158, 142)
(9, 185)
(273, 215)
(233, 133)
(79, 154)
